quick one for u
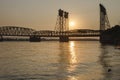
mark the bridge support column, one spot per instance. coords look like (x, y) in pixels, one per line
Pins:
(35, 39)
(63, 38)
(1, 38)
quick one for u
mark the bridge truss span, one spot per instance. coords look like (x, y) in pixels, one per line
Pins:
(15, 31)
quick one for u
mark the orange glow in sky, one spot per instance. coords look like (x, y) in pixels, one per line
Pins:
(72, 24)
(42, 14)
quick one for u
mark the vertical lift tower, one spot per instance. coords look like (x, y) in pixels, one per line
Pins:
(104, 21)
(62, 25)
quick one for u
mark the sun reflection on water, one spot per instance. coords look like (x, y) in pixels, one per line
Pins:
(73, 57)
(72, 78)
(68, 60)
(73, 60)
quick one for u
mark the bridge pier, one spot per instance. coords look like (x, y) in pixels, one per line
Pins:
(1, 38)
(35, 39)
(63, 38)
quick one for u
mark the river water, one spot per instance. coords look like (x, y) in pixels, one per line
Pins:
(52, 60)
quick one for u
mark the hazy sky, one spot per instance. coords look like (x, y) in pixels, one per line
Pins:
(42, 14)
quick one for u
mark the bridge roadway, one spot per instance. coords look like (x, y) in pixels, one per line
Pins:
(69, 34)
(57, 35)
(20, 31)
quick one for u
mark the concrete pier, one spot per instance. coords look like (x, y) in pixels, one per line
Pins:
(1, 38)
(35, 39)
(63, 38)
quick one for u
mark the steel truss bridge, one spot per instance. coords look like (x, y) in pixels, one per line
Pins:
(61, 29)
(21, 31)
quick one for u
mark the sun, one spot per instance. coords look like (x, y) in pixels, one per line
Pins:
(72, 24)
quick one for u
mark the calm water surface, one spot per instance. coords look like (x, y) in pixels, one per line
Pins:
(75, 60)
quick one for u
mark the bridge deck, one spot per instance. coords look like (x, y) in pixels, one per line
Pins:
(20, 31)
(97, 35)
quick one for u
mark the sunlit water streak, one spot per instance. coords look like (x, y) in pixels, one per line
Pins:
(75, 60)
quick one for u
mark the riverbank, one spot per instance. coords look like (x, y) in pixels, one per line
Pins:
(111, 36)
